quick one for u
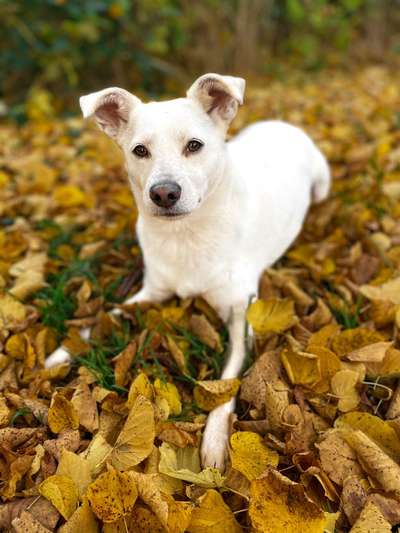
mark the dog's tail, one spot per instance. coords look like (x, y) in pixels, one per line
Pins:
(321, 177)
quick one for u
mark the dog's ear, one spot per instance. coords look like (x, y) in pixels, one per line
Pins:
(219, 96)
(110, 108)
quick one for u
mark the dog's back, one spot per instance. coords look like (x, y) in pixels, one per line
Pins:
(281, 170)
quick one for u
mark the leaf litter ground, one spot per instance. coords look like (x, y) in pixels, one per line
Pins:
(110, 442)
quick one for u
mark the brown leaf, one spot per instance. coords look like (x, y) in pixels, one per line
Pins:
(202, 328)
(26, 523)
(337, 458)
(40, 508)
(372, 353)
(123, 363)
(374, 461)
(264, 370)
(86, 407)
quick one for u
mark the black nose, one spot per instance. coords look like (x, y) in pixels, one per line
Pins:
(165, 193)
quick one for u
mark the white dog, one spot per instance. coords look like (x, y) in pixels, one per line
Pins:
(212, 214)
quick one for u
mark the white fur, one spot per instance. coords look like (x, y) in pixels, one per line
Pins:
(243, 203)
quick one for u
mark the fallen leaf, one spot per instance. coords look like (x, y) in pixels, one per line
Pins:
(337, 458)
(62, 414)
(96, 453)
(77, 468)
(302, 369)
(249, 455)
(271, 316)
(82, 520)
(62, 492)
(209, 394)
(202, 328)
(279, 504)
(123, 363)
(266, 369)
(169, 392)
(86, 407)
(389, 291)
(184, 463)
(344, 387)
(12, 312)
(350, 340)
(140, 386)
(372, 353)
(371, 520)
(375, 428)
(112, 495)
(375, 461)
(213, 516)
(26, 523)
(135, 442)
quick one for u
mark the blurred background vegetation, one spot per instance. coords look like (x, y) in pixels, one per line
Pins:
(51, 50)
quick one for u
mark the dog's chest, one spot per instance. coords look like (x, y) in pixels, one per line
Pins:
(188, 262)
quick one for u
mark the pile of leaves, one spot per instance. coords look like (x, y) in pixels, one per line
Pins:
(111, 441)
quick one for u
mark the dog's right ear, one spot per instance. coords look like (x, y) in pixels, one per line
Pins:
(110, 108)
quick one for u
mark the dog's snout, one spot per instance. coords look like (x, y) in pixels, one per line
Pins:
(165, 193)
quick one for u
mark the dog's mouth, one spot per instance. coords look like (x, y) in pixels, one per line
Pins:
(173, 216)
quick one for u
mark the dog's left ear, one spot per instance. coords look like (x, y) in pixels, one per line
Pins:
(110, 108)
(219, 96)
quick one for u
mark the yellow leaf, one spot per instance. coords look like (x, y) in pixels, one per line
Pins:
(389, 291)
(77, 468)
(329, 364)
(389, 367)
(12, 312)
(371, 520)
(96, 453)
(112, 495)
(213, 516)
(177, 354)
(343, 386)
(249, 455)
(169, 392)
(279, 504)
(353, 339)
(179, 515)
(210, 394)
(273, 315)
(184, 463)
(140, 385)
(62, 414)
(83, 520)
(378, 430)
(135, 442)
(61, 492)
(322, 336)
(69, 196)
(301, 368)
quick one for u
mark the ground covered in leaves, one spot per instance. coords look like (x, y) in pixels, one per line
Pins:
(110, 442)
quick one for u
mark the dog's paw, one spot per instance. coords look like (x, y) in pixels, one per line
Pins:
(58, 357)
(214, 445)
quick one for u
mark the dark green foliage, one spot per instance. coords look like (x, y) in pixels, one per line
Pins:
(70, 46)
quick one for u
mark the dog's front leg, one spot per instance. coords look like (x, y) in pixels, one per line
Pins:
(148, 293)
(214, 446)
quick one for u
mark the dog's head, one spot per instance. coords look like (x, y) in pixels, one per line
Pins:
(174, 150)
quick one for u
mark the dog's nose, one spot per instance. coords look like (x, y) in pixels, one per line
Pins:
(165, 193)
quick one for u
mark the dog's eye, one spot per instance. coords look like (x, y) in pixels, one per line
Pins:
(141, 151)
(193, 146)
